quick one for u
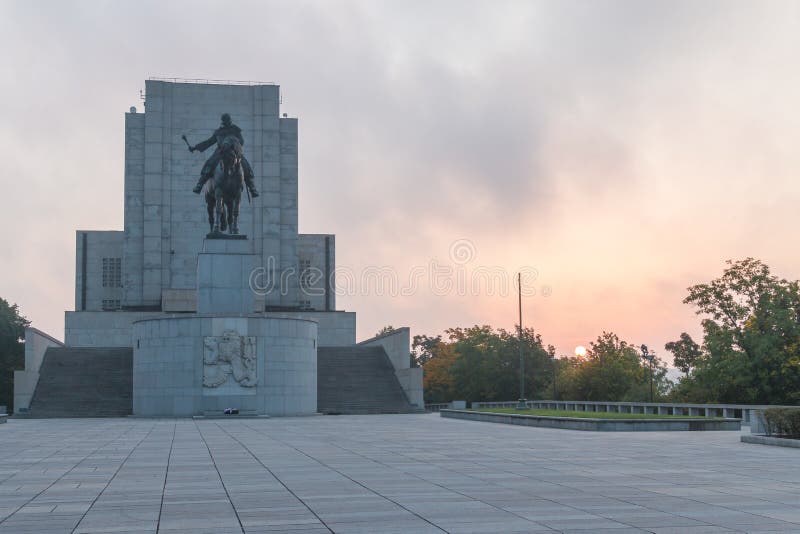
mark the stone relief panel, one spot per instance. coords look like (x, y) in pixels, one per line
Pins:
(229, 354)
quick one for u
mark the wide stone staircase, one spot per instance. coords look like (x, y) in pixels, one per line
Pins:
(358, 380)
(84, 382)
(98, 382)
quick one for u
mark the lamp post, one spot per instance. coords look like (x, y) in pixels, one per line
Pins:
(649, 357)
(521, 404)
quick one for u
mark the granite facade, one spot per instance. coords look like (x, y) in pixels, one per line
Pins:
(165, 222)
(98, 270)
(316, 254)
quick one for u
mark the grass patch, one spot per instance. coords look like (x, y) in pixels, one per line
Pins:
(585, 415)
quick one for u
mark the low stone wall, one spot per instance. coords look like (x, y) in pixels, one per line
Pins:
(25, 381)
(602, 425)
(411, 381)
(397, 345)
(3, 418)
(452, 405)
(745, 412)
(769, 440)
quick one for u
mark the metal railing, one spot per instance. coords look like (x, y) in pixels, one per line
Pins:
(204, 81)
(745, 412)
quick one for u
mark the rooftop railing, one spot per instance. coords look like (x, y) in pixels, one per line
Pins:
(204, 81)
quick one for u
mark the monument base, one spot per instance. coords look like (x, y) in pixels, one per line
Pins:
(200, 365)
(223, 235)
(224, 268)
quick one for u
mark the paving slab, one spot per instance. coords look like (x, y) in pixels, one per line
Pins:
(383, 474)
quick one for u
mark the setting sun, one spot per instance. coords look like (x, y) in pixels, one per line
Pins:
(580, 351)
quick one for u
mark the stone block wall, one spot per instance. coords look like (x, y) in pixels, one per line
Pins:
(114, 329)
(101, 329)
(336, 328)
(411, 381)
(397, 345)
(133, 247)
(316, 254)
(96, 251)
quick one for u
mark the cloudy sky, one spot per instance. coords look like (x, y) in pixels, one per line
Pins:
(624, 150)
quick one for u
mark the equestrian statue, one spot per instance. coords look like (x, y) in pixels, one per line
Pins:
(230, 171)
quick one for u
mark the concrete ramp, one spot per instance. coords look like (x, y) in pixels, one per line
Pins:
(84, 382)
(358, 380)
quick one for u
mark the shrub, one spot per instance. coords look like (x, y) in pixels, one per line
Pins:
(783, 422)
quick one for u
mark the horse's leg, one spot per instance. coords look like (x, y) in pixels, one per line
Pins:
(218, 211)
(236, 201)
(231, 222)
(236, 197)
(210, 209)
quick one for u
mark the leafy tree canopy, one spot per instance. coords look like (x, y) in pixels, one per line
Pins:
(612, 370)
(685, 352)
(12, 349)
(481, 363)
(388, 329)
(751, 339)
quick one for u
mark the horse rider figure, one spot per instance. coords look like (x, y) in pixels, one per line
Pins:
(227, 128)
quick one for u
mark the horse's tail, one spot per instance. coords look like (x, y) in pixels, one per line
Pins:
(208, 187)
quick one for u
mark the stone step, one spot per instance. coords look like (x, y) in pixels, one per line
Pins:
(358, 380)
(84, 382)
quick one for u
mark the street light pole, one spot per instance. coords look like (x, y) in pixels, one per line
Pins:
(521, 404)
(649, 357)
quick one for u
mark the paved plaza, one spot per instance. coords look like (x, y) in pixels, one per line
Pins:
(385, 473)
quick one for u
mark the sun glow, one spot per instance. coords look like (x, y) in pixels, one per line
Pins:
(580, 351)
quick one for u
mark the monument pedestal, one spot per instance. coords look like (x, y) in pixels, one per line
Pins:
(223, 277)
(225, 356)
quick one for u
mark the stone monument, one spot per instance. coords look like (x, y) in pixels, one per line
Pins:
(166, 321)
(254, 364)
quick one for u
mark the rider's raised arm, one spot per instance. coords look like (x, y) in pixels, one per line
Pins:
(205, 144)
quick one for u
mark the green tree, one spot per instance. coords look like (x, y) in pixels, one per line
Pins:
(685, 352)
(480, 363)
(751, 338)
(612, 370)
(437, 365)
(557, 366)
(388, 329)
(12, 349)
(487, 367)
(423, 348)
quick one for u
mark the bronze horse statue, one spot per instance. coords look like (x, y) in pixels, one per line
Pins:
(223, 192)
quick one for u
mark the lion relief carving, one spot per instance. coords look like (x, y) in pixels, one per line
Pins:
(229, 354)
